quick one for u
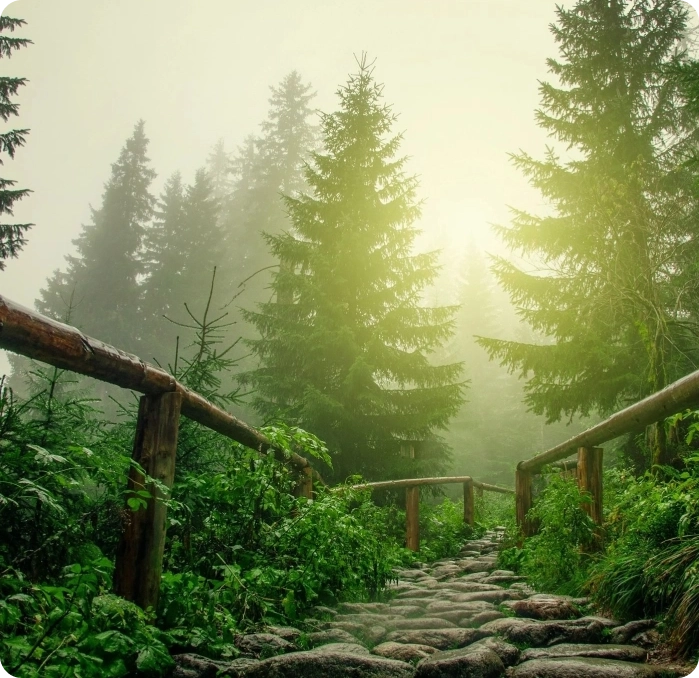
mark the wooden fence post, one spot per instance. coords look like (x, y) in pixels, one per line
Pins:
(590, 479)
(412, 518)
(304, 485)
(139, 558)
(523, 490)
(469, 512)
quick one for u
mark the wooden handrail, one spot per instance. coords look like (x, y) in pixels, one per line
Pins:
(672, 399)
(414, 482)
(35, 336)
(679, 395)
(412, 499)
(30, 334)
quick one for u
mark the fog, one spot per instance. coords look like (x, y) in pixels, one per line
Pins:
(461, 75)
(463, 78)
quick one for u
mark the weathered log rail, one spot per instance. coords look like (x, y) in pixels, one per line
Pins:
(30, 334)
(412, 499)
(140, 552)
(678, 396)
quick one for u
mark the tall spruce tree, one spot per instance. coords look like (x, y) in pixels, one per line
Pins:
(163, 261)
(344, 347)
(182, 248)
(12, 236)
(603, 262)
(103, 276)
(219, 165)
(265, 168)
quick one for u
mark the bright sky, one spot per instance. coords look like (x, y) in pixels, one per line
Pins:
(462, 74)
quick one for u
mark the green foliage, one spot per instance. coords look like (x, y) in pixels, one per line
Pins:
(12, 236)
(555, 559)
(61, 481)
(242, 550)
(494, 510)
(621, 229)
(105, 275)
(648, 569)
(183, 247)
(74, 627)
(344, 347)
(651, 544)
(442, 530)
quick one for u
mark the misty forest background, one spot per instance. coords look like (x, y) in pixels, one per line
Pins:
(145, 262)
(401, 365)
(288, 281)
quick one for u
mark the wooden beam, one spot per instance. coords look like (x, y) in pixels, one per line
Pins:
(590, 480)
(492, 488)
(674, 398)
(409, 482)
(30, 334)
(523, 485)
(139, 557)
(412, 518)
(469, 513)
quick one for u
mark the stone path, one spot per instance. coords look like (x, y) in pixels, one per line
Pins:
(453, 618)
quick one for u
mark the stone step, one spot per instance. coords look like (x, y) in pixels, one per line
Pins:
(454, 617)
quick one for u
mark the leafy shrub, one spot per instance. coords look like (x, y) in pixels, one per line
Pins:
(649, 567)
(555, 559)
(494, 510)
(442, 530)
(75, 628)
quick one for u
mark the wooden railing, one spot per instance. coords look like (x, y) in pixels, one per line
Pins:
(678, 396)
(412, 499)
(140, 552)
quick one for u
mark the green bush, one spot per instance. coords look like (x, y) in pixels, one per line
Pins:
(556, 558)
(442, 530)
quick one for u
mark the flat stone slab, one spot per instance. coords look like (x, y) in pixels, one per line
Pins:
(262, 644)
(422, 623)
(509, 654)
(330, 636)
(371, 608)
(474, 606)
(544, 633)
(627, 653)
(349, 648)
(404, 652)
(474, 662)
(583, 667)
(623, 634)
(481, 618)
(442, 639)
(196, 666)
(316, 664)
(544, 607)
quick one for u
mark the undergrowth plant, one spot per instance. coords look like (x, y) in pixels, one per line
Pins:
(557, 557)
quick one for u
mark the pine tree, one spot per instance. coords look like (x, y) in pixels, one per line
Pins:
(220, 167)
(12, 236)
(104, 274)
(182, 248)
(163, 262)
(603, 263)
(344, 347)
(265, 168)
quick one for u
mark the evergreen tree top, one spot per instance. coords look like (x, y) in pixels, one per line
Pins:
(12, 236)
(9, 45)
(344, 347)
